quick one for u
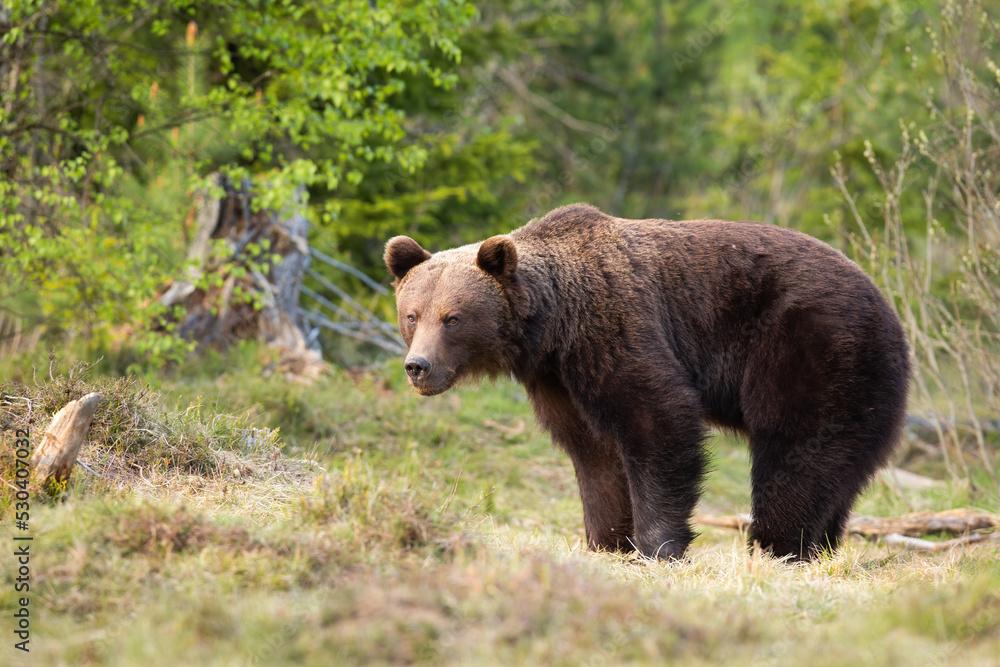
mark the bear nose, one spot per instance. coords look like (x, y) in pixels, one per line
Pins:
(417, 367)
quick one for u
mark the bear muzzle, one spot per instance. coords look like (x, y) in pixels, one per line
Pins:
(417, 368)
(426, 378)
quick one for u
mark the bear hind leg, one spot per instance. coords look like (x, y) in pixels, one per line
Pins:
(836, 527)
(802, 496)
(793, 505)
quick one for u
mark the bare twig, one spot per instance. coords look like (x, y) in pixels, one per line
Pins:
(454, 487)
(917, 544)
(566, 119)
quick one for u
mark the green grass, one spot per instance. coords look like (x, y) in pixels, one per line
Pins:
(391, 528)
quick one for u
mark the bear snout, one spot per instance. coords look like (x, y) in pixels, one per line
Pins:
(417, 368)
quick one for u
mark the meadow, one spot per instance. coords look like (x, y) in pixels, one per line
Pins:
(242, 518)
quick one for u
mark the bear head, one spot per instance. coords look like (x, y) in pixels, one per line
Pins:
(454, 308)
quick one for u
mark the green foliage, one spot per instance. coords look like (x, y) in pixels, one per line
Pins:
(112, 112)
(826, 78)
(725, 109)
(444, 121)
(477, 164)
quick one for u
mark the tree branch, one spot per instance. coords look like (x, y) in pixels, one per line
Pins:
(566, 119)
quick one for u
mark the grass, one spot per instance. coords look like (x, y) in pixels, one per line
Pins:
(378, 527)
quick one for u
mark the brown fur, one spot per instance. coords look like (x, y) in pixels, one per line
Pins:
(631, 336)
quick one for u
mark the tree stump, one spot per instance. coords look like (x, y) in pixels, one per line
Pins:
(218, 315)
(53, 460)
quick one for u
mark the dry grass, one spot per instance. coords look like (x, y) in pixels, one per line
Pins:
(135, 447)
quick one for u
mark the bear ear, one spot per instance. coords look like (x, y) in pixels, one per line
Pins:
(497, 257)
(402, 254)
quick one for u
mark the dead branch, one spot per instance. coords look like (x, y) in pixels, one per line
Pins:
(55, 456)
(917, 544)
(737, 522)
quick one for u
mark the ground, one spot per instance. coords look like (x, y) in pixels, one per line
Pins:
(443, 531)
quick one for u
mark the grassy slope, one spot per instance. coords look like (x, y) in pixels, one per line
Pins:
(435, 538)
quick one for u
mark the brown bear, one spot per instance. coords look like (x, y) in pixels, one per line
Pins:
(632, 336)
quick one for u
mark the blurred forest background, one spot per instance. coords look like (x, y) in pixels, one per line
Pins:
(871, 124)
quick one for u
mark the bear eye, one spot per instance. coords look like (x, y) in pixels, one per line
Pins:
(411, 318)
(451, 321)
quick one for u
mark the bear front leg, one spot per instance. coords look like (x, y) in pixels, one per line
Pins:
(660, 432)
(607, 504)
(665, 479)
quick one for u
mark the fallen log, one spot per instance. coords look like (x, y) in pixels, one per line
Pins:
(54, 458)
(904, 479)
(735, 522)
(930, 429)
(901, 530)
(918, 524)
